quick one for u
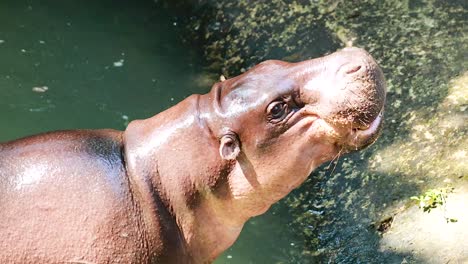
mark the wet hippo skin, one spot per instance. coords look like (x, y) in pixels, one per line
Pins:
(178, 187)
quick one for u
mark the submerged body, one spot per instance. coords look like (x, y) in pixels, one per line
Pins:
(178, 187)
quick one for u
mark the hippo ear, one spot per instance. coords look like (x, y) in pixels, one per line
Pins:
(229, 147)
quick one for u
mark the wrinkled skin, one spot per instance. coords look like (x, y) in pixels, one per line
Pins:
(178, 187)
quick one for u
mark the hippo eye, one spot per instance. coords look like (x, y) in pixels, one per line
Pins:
(277, 110)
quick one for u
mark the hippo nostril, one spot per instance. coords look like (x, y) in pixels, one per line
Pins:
(353, 69)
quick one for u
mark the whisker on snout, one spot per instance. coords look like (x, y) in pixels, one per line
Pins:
(335, 160)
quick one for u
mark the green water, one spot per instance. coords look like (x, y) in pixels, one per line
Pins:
(102, 62)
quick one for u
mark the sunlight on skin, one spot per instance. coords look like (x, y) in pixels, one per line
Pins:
(168, 130)
(31, 175)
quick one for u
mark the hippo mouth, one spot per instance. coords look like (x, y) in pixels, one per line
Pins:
(346, 138)
(362, 137)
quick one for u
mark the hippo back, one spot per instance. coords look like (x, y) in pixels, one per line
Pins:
(65, 196)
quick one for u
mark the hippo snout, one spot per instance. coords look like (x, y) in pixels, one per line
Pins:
(362, 89)
(347, 90)
(355, 61)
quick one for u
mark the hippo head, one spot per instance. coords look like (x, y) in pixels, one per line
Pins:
(279, 121)
(217, 159)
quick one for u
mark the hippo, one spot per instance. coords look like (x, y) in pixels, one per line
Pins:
(179, 186)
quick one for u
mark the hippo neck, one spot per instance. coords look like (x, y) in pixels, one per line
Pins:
(173, 157)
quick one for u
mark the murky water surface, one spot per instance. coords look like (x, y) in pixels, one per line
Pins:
(101, 63)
